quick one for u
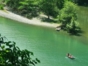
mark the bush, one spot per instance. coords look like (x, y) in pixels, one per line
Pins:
(68, 17)
(12, 55)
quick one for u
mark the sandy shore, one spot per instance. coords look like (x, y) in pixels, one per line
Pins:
(34, 21)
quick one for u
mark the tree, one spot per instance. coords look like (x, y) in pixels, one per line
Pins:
(60, 3)
(49, 7)
(1, 5)
(13, 4)
(68, 17)
(28, 7)
(12, 55)
(81, 2)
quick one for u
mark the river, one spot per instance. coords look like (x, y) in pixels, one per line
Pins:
(48, 45)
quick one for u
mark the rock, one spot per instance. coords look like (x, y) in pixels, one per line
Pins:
(58, 28)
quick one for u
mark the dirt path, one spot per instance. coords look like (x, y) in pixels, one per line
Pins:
(34, 21)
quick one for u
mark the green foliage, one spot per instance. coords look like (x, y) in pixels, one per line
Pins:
(49, 7)
(13, 4)
(60, 3)
(27, 8)
(81, 2)
(68, 17)
(12, 55)
(1, 5)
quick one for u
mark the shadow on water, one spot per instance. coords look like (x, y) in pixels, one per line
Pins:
(76, 33)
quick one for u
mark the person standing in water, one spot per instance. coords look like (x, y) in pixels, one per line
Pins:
(69, 55)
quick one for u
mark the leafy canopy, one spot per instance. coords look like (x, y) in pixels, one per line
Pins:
(68, 17)
(49, 7)
(12, 55)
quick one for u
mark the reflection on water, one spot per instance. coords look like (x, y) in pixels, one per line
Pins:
(48, 45)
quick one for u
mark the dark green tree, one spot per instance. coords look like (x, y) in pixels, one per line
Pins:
(49, 7)
(60, 3)
(1, 5)
(81, 2)
(68, 17)
(12, 55)
(13, 4)
(28, 7)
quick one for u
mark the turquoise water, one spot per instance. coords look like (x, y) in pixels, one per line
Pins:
(47, 44)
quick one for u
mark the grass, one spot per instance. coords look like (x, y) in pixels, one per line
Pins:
(83, 20)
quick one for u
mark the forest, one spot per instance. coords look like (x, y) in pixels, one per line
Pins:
(64, 11)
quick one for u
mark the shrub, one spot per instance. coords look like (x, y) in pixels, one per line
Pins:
(12, 55)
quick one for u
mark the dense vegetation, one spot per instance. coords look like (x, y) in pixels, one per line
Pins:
(30, 8)
(12, 55)
(1, 4)
(63, 10)
(81, 2)
(68, 17)
(49, 8)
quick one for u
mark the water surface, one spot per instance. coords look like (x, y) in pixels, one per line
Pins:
(47, 44)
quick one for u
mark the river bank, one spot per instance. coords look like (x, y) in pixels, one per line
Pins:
(34, 21)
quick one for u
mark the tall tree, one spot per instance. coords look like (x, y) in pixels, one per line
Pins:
(1, 4)
(28, 7)
(81, 2)
(13, 4)
(68, 17)
(60, 3)
(49, 7)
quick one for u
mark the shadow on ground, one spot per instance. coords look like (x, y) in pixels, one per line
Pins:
(50, 20)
